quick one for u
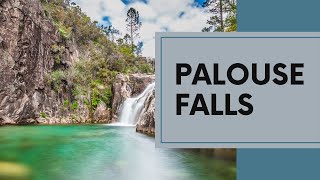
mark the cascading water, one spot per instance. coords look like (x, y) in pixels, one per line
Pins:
(132, 107)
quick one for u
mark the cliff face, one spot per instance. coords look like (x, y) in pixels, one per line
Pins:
(25, 43)
(146, 121)
(26, 57)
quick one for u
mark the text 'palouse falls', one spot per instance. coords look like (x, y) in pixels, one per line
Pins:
(279, 74)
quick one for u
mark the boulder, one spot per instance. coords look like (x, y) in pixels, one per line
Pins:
(139, 82)
(121, 90)
(146, 121)
(102, 114)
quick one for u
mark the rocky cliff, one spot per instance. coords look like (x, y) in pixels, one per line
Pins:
(26, 38)
(28, 54)
(146, 121)
(126, 86)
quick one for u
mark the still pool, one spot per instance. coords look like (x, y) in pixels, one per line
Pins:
(99, 152)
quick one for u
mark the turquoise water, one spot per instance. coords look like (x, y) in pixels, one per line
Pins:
(97, 152)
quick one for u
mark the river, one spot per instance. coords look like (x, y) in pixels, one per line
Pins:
(96, 152)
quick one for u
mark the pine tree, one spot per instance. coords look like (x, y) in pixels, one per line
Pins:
(111, 32)
(126, 38)
(231, 20)
(223, 15)
(133, 25)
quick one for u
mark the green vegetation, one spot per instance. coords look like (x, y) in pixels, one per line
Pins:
(55, 79)
(58, 53)
(145, 68)
(65, 32)
(133, 26)
(231, 20)
(223, 17)
(43, 114)
(100, 57)
(74, 105)
(66, 103)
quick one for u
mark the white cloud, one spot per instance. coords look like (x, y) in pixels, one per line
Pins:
(156, 16)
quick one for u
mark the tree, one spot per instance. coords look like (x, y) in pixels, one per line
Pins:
(125, 46)
(139, 48)
(223, 15)
(126, 38)
(231, 20)
(111, 32)
(133, 25)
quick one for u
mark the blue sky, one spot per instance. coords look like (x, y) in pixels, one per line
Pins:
(155, 15)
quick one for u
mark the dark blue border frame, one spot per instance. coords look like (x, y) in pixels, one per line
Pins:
(184, 37)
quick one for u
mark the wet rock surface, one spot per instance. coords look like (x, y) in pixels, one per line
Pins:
(146, 121)
(126, 86)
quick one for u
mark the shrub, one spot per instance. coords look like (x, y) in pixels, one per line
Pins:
(66, 103)
(95, 99)
(145, 68)
(43, 115)
(107, 96)
(101, 95)
(86, 102)
(58, 53)
(118, 65)
(74, 105)
(65, 32)
(126, 50)
(55, 79)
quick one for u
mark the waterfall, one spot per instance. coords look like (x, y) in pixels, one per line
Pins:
(132, 107)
